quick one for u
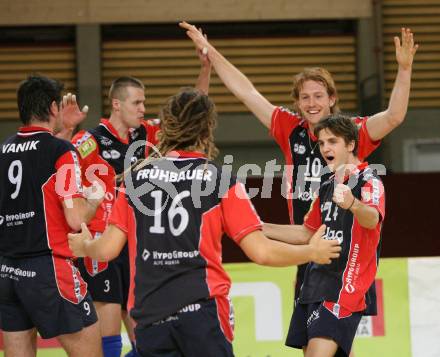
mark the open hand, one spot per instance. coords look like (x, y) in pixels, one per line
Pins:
(72, 115)
(406, 50)
(203, 53)
(197, 37)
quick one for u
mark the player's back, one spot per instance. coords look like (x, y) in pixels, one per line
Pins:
(179, 225)
(31, 213)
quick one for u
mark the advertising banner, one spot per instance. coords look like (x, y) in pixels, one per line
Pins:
(408, 292)
(263, 303)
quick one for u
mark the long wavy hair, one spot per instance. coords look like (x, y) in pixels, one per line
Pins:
(187, 122)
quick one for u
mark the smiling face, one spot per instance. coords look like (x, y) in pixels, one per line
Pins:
(314, 103)
(335, 151)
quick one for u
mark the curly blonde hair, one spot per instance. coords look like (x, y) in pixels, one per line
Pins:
(317, 74)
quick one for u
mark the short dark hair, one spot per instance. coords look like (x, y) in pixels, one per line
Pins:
(342, 126)
(118, 88)
(35, 95)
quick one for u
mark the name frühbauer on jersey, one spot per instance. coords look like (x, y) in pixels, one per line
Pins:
(13, 147)
(172, 176)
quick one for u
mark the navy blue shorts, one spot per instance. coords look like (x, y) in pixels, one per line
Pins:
(316, 320)
(44, 292)
(112, 284)
(196, 330)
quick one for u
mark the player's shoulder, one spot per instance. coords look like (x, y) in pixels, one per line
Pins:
(9, 139)
(151, 127)
(85, 143)
(53, 141)
(286, 113)
(80, 137)
(284, 121)
(359, 120)
(370, 173)
(56, 147)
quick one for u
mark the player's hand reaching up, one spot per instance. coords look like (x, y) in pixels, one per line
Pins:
(72, 115)
(197, 37)
(406, 50)
(323, 249)
(203, 54)
(78, 241)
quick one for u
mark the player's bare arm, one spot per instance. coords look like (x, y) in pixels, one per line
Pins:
(204, 77)
(78, 210)
(367, 216)
(381, 124)
(265, 251)
(287, 233)
(105, 248)
(233, 79)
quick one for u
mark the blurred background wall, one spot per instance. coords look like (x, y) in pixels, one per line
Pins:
(87, 43)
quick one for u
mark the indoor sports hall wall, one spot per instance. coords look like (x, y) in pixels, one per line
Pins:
(362, 59)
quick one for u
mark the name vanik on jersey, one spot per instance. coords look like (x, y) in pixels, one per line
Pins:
(21, 147)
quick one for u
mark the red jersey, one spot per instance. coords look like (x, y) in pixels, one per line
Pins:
(302, 154)
(104, 155)
(175, 212)
(37, 172)
(348, 280)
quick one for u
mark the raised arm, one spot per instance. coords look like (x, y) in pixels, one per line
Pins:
(204, 77)
(265, 251)
(381, 124)
(287, 233)
(233, 79)
(105, 248)
(72, 116)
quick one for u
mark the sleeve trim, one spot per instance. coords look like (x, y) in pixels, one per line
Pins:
(311, 227)
(244, 232)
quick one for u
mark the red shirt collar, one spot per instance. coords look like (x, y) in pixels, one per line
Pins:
(33, 128)
(186, 154)
(306, 125)
(361, 166)
(111, 128)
